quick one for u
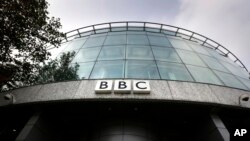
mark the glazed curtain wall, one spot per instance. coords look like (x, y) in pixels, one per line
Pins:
(147, 55)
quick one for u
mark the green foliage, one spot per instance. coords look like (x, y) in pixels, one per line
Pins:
(58, 70)
(26, 30)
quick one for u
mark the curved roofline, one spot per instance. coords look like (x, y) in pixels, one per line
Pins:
(151, 27)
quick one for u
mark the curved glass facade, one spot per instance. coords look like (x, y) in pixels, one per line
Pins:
(126, 53)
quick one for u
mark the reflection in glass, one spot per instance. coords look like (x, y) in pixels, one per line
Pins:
(236, 70)
(141, 69)
(181, 44)
(245, 81)
(198, 48)
(189, 57)
(75, 44)
(165, 54)
(86, 54)
(55, 51)
(115, 40)
(139, 52)
(213, 63)
(137, 39)
(173, 71)
(112, 53)
(204, 75)
(108, 69)
(85, 69)
(230, 80)
(92, 42)
(159, 41)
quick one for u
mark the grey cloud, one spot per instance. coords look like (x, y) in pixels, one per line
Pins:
(225, 21)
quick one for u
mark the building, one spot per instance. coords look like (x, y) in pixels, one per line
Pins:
(139, 81)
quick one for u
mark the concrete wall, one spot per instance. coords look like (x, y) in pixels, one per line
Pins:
(160, 90)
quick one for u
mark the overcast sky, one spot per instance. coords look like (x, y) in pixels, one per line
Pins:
(225, 21)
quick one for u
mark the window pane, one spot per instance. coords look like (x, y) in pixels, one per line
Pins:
(165, 54)
(217, 55)
(136, 32)
(245, 81)
(92, 42)
(213, 63)
(88, 54)
(85, 69)
(138, 39)
(230, 80)
(117, 32)
(203, 75)
(159, 41)
(108, 69)
(141, 69)
(115, 40)
(181, 44)
(55, 51)
(75, 44)
(139, 52)
(236, 70)
(189, 57)
(198, 48)
(173, 71)
(155, 34)
(112, 53)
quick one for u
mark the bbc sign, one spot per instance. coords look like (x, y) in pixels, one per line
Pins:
(122, 86)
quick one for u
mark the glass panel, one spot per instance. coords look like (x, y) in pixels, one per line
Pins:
(236, 70)
(198, 48)
(118, 29)
(230, 80)
(136, 32)
(98, 35)
(88, 54)
(152, 29)
(138, 39)
(139, 52)
(102, 30)
(55, 51)
(117, 33)
(85, 70)
(97, 41)
(112, 53)
(159, 41)
(155, 34)
(75, 44)
(181, 44)
(218, 56)
(168, 32)
(245, 81)
(108, 69)
(141, 69)
(189, 57)
(203, 75)
(166, 54)
(135, 28)
(115, 40)
(213, 63)
(173, 71)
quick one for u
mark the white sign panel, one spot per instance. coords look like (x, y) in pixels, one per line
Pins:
(123, 86)
(141, 86)
(104, 86)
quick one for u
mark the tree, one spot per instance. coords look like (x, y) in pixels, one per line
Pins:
(58, 70)
(26, 31)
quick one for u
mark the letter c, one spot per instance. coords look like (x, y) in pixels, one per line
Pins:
(137, 85)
